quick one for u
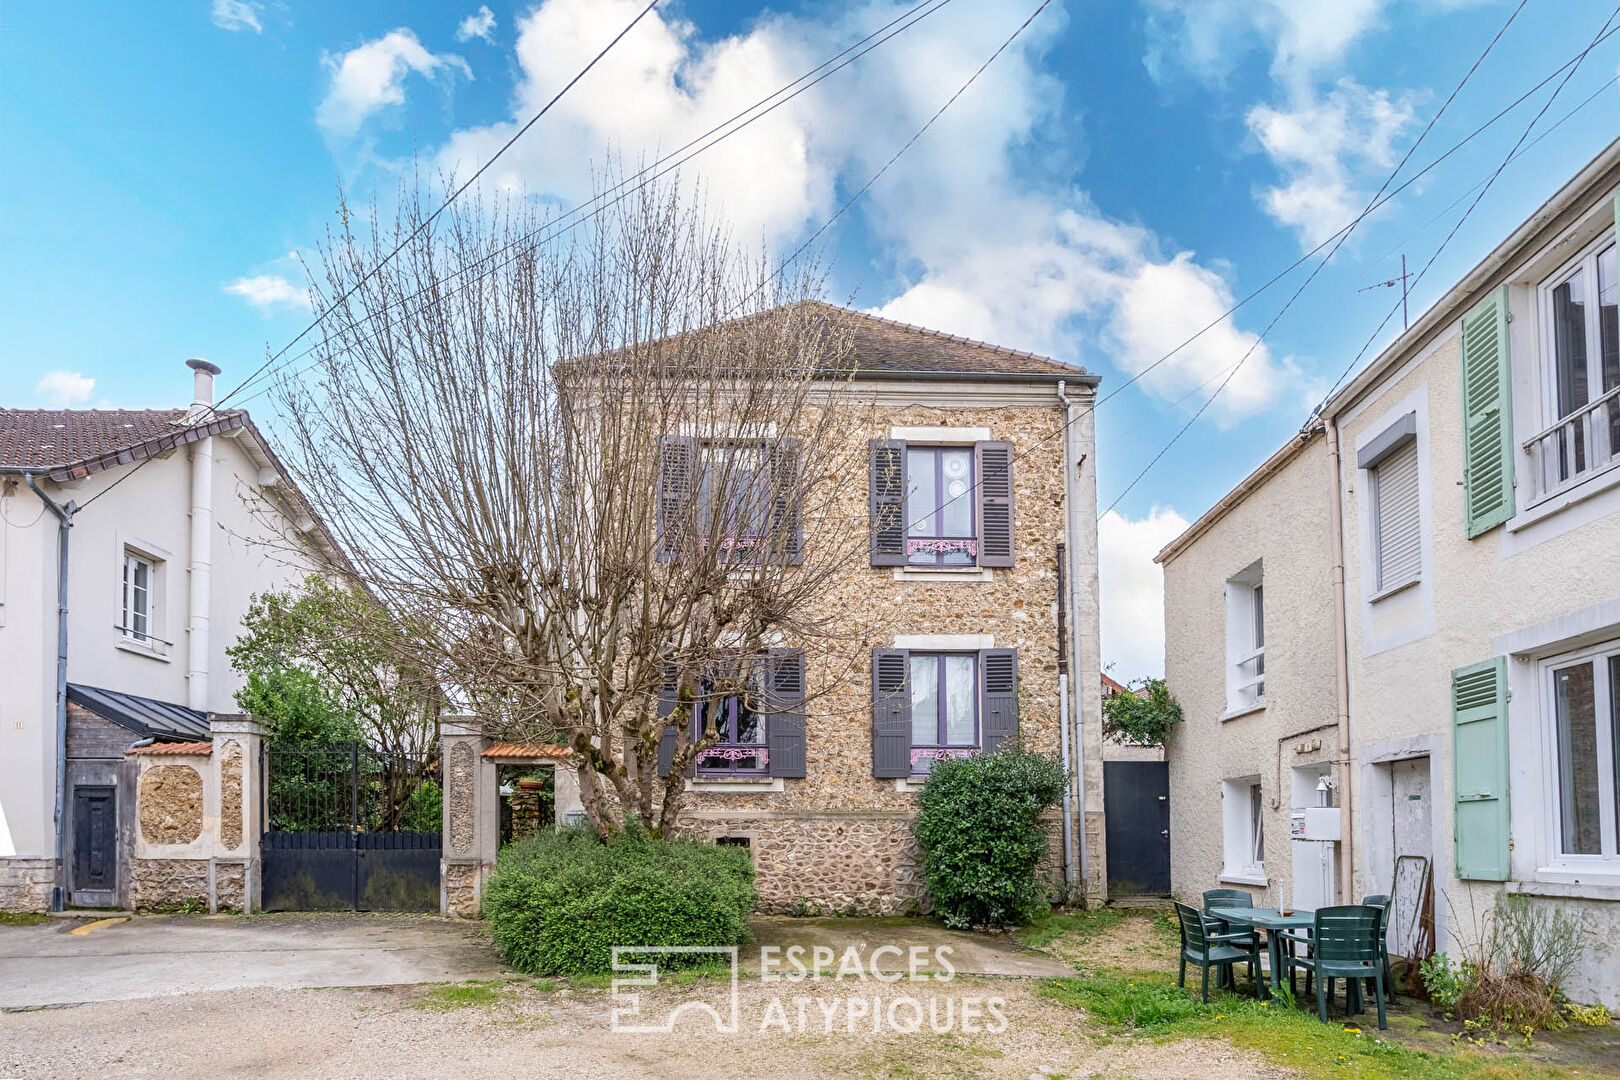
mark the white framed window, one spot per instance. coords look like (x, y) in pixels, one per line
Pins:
(137, 612)
(1581, 718)
(1244, 828)
(1246, 640)
(1580, 370)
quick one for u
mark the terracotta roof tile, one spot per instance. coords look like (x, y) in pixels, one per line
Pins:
(505, 750)
(59, 441)
(203, 749)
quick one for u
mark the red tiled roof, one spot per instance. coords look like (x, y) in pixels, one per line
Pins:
(521, 751)
(202, 749)
(67, 443)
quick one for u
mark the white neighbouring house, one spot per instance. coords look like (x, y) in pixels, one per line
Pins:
(1458, 699)
(177, 517)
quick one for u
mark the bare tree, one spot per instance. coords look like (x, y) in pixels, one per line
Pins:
(595, 473)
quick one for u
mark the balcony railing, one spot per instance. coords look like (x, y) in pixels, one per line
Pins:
(1577, 447)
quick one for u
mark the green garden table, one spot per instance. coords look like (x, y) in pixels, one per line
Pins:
(1270, 920)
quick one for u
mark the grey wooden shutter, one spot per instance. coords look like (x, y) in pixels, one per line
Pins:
(784, 724)
(998, 703)
(994, 512)
(667, 700)
(1487, 416)
(677, 467)
(891, 713)
(787, 502)
(1397, 538)
(887, 501)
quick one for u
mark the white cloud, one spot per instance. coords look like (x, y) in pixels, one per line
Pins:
(986, 245)
(1207, 36)
(1132, 587)
(372, 76)
(480, 24)
(1325, 146)
(236, 15)
(268, 291)
(61, 389)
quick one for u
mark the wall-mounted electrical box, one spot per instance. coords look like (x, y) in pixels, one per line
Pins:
(1314, 823)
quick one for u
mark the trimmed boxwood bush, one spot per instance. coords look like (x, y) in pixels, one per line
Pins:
(558, 902)
(978, 824)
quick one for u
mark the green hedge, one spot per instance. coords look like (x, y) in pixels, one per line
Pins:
(557, 903)
(978, 824)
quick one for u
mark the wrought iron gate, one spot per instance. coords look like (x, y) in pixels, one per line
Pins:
(350, 829)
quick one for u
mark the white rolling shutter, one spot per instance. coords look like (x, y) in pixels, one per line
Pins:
(1399, 544)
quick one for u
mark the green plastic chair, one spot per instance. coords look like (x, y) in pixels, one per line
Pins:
(1201, 944)
(1344, 945)
(1381, 901)
(1214, 898)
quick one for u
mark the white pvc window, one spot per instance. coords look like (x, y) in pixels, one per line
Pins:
(1397, 534)
(1580, 316)
(1246, 639)
(1244, 828)
(1582, 709)
(140, 577)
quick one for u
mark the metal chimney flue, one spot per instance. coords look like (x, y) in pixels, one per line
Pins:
(202, 384)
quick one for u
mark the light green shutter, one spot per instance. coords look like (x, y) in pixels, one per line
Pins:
(1487, 416)
(1479, 758)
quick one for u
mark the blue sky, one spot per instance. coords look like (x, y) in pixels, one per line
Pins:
(1118, 176)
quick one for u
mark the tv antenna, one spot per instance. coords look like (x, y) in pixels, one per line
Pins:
(1390, 284)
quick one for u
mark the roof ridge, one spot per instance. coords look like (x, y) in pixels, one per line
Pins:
(961, 338)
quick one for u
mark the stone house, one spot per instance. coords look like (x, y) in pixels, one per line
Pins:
(130, 544)
(980, 472)
(1397, 642)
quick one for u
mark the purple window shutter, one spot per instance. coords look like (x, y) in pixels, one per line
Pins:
(998, 707)
(887, 502)
(787, 496)
(891, 713)
(677, 464)
(784, 723)
(994, 512)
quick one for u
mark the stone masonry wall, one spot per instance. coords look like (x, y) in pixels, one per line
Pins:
(25, 884)
(840, 837)
(171, 804)
(230, 795)
(460, 885)
(163, 882)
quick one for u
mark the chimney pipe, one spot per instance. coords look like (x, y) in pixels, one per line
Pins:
(202, 383)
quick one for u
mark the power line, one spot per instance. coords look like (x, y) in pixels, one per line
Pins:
(1601, 34)
(661, 167)
(453, 195)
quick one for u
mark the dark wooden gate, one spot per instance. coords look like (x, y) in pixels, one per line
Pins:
(1136, 803)
(350, 829)
(95, 837)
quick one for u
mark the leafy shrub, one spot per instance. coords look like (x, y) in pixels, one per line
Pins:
(1142, 717)
(559, 902)
(1590, 1015)
(1444, 980)
(424, 808)
(1516, 964)
(978, 824)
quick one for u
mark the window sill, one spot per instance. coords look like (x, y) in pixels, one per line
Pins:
(151, 652)
(736, 785)
(943, 574)
(1571, 885)
(1548, 505)
(912, 786)
(1235, 877)
(1243, 710)
(1385, 594)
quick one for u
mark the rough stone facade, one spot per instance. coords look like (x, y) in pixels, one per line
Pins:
(840, 838)
(171, 804)
(25, 884)
(230, 886)
(167, 882)
(230, 795)
(460, 885)
(460, 797)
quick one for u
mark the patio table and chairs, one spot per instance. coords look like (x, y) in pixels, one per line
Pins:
(1203, 944)
(1273, 922)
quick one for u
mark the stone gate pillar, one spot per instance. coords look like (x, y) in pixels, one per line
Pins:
(237, 758)
(472, 817)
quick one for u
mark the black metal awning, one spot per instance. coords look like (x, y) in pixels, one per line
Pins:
(148, 718)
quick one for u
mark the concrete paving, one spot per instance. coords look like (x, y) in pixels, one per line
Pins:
(970, 954)
(73, 961)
